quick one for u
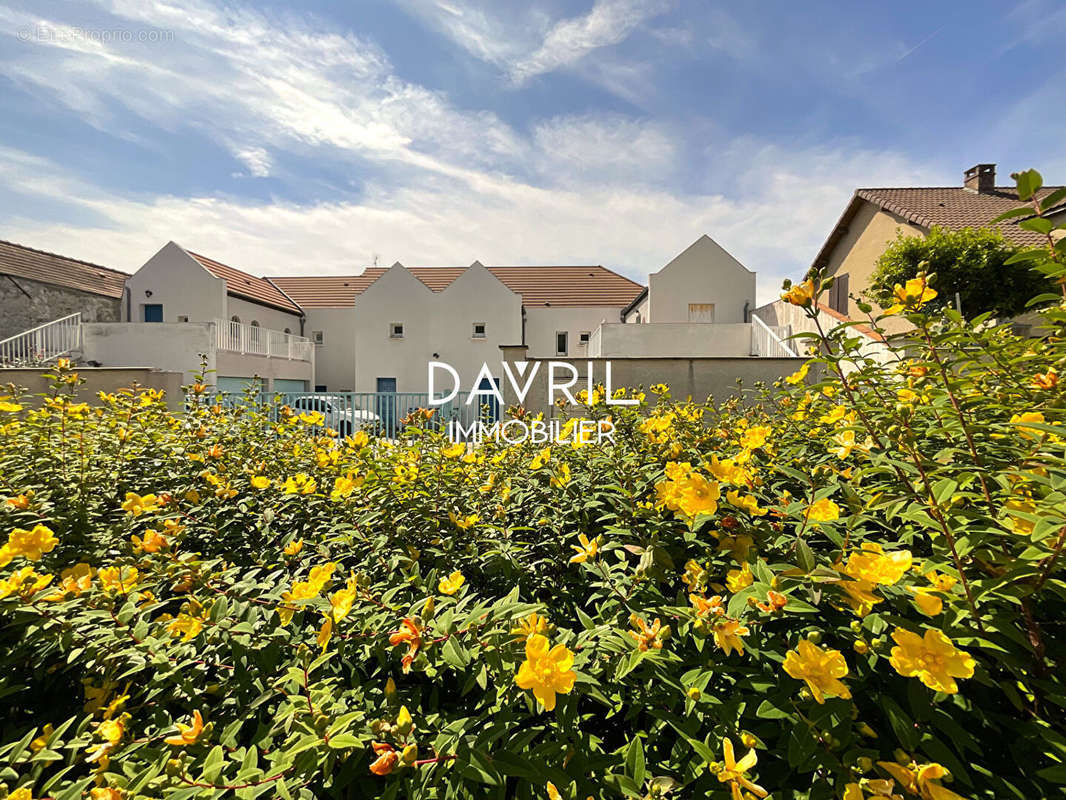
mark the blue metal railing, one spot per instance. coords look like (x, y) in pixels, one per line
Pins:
(375, 412)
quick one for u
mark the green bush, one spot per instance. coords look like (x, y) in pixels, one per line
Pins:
(848, 588)
(971, 262)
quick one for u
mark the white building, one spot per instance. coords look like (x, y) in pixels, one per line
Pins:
(378, 330)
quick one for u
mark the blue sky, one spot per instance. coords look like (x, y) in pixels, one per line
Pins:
(317, 138)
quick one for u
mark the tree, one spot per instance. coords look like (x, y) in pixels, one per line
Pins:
(971, 261)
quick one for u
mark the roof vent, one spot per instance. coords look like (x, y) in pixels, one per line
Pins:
(980, 179)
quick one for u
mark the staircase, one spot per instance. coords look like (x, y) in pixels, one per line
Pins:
(43, 344)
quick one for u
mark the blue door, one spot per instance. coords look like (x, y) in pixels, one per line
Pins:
(489, 405)
(153, 312)
(385, 405)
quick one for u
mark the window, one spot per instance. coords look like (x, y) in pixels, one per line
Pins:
(583, 338)
(319, 387)
(395, 330)
(318, 337)
(701, 312)
(838, 294)
(183, 318)
(153, 312)
(479, 330)
(561, 343)
(235, 318)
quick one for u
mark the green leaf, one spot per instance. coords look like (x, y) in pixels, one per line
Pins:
(1028, 183)
(635, 760)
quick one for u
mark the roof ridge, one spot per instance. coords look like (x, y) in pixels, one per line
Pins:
(65, 258)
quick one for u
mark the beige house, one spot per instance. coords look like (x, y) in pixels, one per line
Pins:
(873, 218)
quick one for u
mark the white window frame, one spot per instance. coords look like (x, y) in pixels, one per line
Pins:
(484, 331)
(392, 330)
(566, 350)
(318, 337)
(583, 338)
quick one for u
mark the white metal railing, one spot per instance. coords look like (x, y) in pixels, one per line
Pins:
(237, 337)
(42, 344)
(767, 341)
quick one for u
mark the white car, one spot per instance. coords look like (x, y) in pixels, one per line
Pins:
(339, 415)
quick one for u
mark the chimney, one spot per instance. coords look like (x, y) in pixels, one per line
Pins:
(980, 179)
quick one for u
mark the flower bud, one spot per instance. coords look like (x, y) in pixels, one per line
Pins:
(749, 740)
(404, 723)
(390, 688)
(814, 637)
(693, 693)
(410, 755)
(864, 763)
(861, 647)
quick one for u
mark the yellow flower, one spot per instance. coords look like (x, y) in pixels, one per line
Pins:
(540, 459)
(325, 633)
(735, 772)
(801, 294)
(648, 636)
(553, 793)
(261, 482)
(844, 442)
(186, 626)
(546, 671)
(119, 579)
(872, 564)
(152, 542)
(359, 440)
(755, 436)
(1045, 380)
(9, 407)
(187, 734)
(912, 296)
(530, 626)
(933, 659)
(463, 523)
(111, 731)
(586, 550)
(799, 375)
(341, 601)
(821, 668)
(860, 596)
(30, 544)
(738, 579)
(410, 634)
(135, 504)
(294, 547)
(344, 485)
(454, 450)
(749, 503)
(452, 583)
(727, 633)
(704, 606)
(560, 477)
(20, 501)
(300, 483)
(38, 744)
(1028, 431)
(824, 510)
(106, 793)
(920, 779)
(927, 602)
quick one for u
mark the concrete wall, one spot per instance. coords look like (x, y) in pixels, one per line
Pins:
(674, 339)
(434, 322)
(272, 318)
(237, 365)
(795, 319)
(856, 254)
(98, 379)
(181, 284)
(698, 378)
(173, 347)
(542, 322)
(335, 357)
(639, 312)
(703, 273)
(26, 303)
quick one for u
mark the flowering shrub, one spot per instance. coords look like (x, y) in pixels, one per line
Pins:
(850, 587)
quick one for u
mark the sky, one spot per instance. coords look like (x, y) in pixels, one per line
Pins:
(324, 137)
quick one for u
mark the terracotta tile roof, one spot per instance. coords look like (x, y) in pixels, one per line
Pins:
(25, 262)
(543, 285)
(950, 207)
(241, 284)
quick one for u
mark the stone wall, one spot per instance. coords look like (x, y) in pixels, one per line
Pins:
(26, 303)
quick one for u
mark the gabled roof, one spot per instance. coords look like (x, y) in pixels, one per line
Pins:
(37, 265)
(952, 207)
(241, 284)
(538, 286)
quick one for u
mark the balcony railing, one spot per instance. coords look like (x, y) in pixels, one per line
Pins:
(42, 344)
(768, 341)
(237, 337)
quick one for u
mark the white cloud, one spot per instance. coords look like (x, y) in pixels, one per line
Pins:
(256, 159)
(608, 23)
